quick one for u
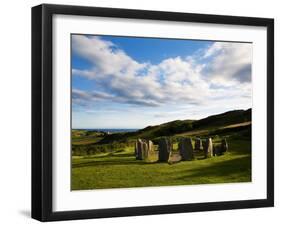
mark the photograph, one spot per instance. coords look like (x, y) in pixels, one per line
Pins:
(150, 112)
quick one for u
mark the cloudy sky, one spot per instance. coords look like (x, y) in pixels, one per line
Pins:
(123, 82)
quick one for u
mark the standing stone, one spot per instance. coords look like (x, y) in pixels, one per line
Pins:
(224, 145)
(186, 149)
(208, 149)
(204, 143)
(150, 148)
(216, 150)
(143, 149)
(165, 149)
(198, 144)
(138, 149)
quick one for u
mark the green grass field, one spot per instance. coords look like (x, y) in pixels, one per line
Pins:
(120, 169)
(101, 160)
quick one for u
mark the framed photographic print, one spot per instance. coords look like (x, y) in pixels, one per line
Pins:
(145, 112)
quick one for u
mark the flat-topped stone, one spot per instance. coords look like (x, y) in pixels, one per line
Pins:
(165, 149)
(186, 149)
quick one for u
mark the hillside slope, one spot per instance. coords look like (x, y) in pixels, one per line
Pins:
(181, 126)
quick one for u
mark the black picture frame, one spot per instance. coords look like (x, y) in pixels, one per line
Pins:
(42, 111)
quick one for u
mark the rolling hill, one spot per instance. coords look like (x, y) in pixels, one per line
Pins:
(211, 124)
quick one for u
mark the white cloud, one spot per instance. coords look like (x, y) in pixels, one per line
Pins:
(221, 72)
(105, 57)
(229, 62)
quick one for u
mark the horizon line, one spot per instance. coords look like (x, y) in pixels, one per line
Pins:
(164, 122)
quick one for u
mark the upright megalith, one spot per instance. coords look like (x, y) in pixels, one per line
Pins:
(224, 145)
(204, 142)
(198, 144)
(208, 148)
(143, 149)
(164, 149)
(139, 149)
(150, 146)
(220, 149)
(136, 148)
(216, 150)
(149, 150)
(186, 149)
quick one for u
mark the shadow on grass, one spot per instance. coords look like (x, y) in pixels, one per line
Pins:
(226, 168)
(121, 155)
(111, 154)
(113, 162)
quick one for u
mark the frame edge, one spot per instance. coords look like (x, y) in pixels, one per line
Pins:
(42, 115)
(41, 192)
(270, 112)
(36, 161)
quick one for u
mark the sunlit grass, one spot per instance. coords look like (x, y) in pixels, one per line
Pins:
(120, 169)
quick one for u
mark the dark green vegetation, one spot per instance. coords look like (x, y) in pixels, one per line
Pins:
(102, 160)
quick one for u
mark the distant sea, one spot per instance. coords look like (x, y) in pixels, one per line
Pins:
(112, 130)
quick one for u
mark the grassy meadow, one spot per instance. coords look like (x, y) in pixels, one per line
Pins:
(101, 160)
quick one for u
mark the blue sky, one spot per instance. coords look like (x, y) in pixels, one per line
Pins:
(128, 82)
